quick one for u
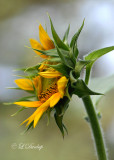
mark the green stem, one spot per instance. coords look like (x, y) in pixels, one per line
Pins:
(96, 128)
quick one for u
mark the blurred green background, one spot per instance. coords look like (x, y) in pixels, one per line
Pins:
(19, 22)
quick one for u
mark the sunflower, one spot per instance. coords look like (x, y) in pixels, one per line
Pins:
(49, 85)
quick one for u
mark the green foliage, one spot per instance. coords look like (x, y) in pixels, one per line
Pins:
(65, 59)
(81, 89)
(61, 68)
(94, 56)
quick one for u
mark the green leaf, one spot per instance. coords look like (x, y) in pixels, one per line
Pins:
(56, 38)
(103, 84)
(65, 38)
(61, 68)
(81, 89)
(66, 60)
(94, 56)
(79, 66)
(75, 37)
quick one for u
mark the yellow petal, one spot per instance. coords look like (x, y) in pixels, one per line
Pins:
(29, 103)
(50, 74)
(40, 111)
(54, 99)
(25, 84)
(30, 119)
(37, 114)
(45, 39)
(36, 45)
(61, 84)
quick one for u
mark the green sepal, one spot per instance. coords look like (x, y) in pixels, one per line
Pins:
(23, 76)
(60, 108)
(7, 103)
(17, 88)
(48, 115)
(51, 52)
(32, 71)
(94, 56)
(75, 51)
(67, 94)
(28, 98)
(56, 38)
(29, 126)
(14, 88)
(55, 59)
(73, 43)
(79, 66)
(81, 89)
(65, 59)
(22, 108)
(61, 68)
(65, 37)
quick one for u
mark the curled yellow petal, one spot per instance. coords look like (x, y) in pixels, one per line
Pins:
(25, 84)
(45, 39)
(50, 74)
(29, 103)
(61, 84)
(36, 45)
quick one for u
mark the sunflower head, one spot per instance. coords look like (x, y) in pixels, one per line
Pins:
(49, 82)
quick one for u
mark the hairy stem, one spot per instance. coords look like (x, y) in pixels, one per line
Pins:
(96, 128)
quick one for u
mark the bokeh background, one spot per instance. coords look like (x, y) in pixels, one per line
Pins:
(19, 20)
